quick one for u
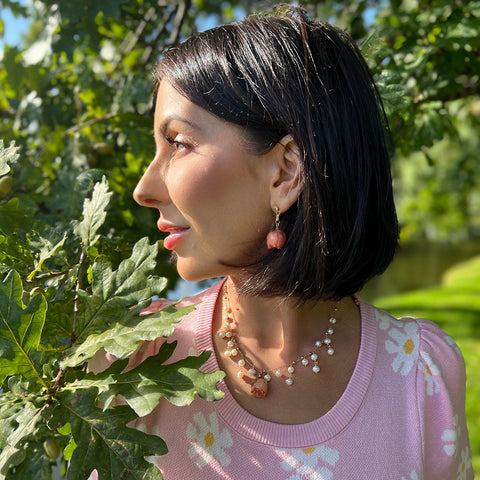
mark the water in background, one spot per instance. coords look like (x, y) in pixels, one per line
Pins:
(418, 266)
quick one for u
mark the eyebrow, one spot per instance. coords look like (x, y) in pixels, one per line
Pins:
(171, 118)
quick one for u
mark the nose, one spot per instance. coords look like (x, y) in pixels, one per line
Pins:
(151, 190)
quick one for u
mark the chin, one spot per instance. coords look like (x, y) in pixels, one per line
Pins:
(194, 273)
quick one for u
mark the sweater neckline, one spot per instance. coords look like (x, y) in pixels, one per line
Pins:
(300, 435)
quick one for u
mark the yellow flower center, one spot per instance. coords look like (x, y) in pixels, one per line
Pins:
(428, 369)
(308, 451)
(209, 439)
(409, 346)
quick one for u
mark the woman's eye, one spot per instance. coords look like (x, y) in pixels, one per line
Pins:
(175, 143)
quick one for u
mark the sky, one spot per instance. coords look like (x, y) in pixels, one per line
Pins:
(13, 27)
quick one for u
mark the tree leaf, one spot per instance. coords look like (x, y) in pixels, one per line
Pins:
(179, 382)
(58, 324)
(8, 156)
(104, 442)
(20, 427)
(36, 465)
(123, 338)
(101, 381)
(94, 213)
(47, 250)
(115, 292)
(16, 215)
(20, 328)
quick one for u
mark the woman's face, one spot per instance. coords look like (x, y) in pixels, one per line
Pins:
(211, 192)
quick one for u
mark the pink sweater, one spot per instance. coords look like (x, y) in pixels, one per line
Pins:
(401, 417)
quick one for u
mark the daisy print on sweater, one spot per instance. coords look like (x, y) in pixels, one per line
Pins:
(309, 463)
(385, 321)
(450, 438)
(464, 465)
(453, 344)
(430, 371)
(404, 345)
(208, 442)
(413, 476)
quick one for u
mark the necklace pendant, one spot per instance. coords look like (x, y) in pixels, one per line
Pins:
(259, 388)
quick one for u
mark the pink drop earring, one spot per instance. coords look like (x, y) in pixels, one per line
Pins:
(276, 238)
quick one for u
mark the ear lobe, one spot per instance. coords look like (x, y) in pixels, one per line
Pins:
(286, 186)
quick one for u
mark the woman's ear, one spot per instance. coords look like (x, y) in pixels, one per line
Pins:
(286, 183)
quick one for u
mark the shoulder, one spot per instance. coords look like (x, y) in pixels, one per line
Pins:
(430, 366)
(418, 338)
(421, 351)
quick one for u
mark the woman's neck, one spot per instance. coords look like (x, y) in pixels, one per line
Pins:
(277, 327)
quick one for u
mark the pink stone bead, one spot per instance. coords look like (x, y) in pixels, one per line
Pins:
(276, 239)
(260, 388)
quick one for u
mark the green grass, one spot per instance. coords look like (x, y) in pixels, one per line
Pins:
(455, 307)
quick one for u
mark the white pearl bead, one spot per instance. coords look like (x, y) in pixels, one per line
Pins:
(318, 343)
(330, 351)
(221, 334)
(229, 344)
(304, 362)
(314, 356)
(330, 331)
(278, 373)
(252, 371)
(241, 362)
(289, 381)
(228, 334)
(267, 377)
(239, 373)
(333, 320)
(316, 369)
(290, 369)
(228, 353)
(234, 352)
(327, 341)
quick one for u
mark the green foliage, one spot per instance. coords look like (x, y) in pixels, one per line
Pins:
(67, 305)
(107, 446)
(438, 191)
(426, 59)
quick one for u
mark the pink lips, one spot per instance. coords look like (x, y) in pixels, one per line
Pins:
(175, 234)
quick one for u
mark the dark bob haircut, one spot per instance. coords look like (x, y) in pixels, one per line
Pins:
(286, 74)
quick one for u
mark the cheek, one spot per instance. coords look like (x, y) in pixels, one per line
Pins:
(199, 190)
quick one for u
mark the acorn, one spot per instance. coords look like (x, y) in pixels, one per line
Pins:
(6, 184)
(52, 448)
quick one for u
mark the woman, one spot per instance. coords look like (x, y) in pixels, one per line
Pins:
(272, 171)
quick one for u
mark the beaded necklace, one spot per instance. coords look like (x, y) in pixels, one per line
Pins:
(259, 378)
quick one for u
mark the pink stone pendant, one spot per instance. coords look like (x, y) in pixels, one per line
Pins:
(259, 388)
(276, 239)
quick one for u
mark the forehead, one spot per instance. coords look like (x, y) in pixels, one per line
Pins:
(173, 109)
(170, 102)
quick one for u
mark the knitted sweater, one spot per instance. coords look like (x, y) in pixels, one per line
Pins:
(401, 417)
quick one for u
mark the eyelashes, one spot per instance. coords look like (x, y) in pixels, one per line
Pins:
(176, 144)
